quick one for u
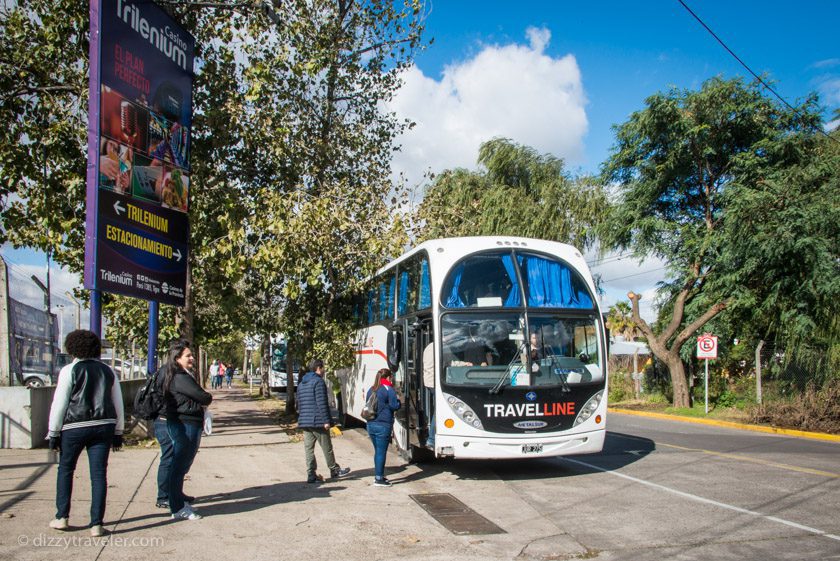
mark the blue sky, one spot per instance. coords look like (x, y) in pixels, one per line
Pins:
(558, 75)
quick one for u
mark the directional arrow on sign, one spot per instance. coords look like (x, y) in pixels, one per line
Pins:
(118, 208)
(177, 254)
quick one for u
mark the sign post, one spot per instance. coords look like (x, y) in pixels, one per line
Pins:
(706, 349)
(138, 177)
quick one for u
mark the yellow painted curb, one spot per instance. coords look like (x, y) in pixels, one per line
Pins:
(729, 424)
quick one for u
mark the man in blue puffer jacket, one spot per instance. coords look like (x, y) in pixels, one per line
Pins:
(314, 420)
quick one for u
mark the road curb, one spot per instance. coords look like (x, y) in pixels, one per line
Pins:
(730, 424)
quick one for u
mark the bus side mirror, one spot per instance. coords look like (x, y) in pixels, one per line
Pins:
(394, 350)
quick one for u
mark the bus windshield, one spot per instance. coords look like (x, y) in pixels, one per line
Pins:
(491, 349)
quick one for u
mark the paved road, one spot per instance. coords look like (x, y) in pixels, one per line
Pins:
(673, 490)
(660, 490)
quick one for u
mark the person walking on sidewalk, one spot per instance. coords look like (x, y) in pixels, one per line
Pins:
(185, 402)
(228, 376)
(86, 413)
(314, 420)
(214, 371)
(380, 427)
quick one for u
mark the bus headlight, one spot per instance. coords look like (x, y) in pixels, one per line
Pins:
(589, 408)
(463, 411)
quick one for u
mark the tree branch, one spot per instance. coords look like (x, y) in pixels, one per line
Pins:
(698, 323)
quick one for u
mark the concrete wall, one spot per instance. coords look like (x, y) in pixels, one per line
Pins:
(25, 413)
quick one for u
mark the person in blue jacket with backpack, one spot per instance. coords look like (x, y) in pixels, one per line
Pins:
(380, 427)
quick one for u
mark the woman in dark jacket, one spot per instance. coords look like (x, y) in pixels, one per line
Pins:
(86, 413)
(379, 428)
(185, 403)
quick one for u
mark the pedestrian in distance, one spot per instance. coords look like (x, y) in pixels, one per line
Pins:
(314, 420)
(228, 376)
(86, 413)
(220, 373)
(214, 371)
(380, 427)
(185, 403)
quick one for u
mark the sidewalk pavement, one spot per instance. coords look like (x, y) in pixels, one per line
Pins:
(249, 480)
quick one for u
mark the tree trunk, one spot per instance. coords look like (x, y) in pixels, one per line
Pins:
(184, 317)
(676, 368)
(290, 382)
(265, 366)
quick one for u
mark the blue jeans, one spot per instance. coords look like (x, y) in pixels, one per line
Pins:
(97, 440)
(186, 438)
(166, 452)
(380, 435)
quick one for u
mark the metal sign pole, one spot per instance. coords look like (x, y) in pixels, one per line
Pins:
(707, 386)
(151, 356)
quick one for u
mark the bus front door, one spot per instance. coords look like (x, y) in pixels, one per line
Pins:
(408, 382)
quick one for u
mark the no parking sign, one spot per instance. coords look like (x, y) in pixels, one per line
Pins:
(707, 346)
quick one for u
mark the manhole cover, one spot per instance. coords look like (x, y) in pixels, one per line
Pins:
(454, 515)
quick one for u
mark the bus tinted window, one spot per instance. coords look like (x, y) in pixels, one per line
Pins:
(553, 284)
(415, 291)
(484, 280)
(563, 350)
(476, 350)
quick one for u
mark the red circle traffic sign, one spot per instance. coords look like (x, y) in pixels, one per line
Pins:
(707, 346)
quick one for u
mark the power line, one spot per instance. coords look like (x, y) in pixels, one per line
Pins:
(635, 274)
(750, 70)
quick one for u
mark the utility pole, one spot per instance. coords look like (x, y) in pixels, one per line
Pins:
(78, 308)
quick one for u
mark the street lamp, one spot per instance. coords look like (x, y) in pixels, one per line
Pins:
(78, 308)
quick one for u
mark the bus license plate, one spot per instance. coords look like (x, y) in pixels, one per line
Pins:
(531, 448)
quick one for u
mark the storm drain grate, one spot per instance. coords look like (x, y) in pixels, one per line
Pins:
(454, 515)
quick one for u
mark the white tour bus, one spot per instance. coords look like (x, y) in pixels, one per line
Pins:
(509, 336)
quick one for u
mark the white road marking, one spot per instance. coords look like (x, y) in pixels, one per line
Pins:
(703, 499)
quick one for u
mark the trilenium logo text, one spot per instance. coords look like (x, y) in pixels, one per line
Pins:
(165, 40)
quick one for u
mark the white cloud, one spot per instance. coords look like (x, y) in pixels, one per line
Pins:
(515, 91)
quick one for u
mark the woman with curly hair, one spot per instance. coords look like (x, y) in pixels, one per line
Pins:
(86, 413)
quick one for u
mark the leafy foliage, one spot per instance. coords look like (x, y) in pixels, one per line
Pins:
(675, 164)
(519, 193)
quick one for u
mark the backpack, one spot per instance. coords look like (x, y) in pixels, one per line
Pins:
(148, 401)
(371, 406)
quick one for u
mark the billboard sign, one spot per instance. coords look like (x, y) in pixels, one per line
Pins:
(138, 182)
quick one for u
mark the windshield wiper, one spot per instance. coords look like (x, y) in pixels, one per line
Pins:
(498, 387)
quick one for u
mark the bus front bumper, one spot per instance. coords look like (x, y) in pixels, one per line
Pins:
(528, 446)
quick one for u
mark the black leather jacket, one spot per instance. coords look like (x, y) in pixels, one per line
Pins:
(90, 397)
(185, 400)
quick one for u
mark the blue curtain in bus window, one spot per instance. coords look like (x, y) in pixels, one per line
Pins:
(371, 311)
(402, 295)
(383, 300)
(454, 299)
(425, 296)
(392, 291)
(514, 297)
(550, 285)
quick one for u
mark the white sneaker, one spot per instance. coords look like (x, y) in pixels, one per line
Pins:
(186, 513)
(59, 524)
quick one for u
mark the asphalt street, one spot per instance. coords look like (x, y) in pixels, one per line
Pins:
(661, 489)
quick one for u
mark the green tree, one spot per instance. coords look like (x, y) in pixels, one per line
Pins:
(782, 252)
(518, 192)
(674, 163)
